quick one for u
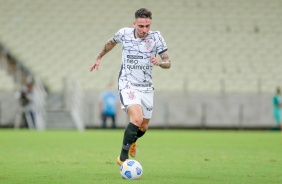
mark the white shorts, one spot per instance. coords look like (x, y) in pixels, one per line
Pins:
(130, 97)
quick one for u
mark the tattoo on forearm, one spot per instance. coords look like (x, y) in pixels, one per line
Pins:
(107, 47)
(164, 56)
(165, 63)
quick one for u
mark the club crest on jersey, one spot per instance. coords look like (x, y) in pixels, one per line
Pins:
(148, 44)
(131, 95)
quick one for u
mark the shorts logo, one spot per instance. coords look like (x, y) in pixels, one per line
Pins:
(131, 95)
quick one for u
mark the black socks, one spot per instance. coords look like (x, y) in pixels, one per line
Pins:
(139, 134)
(129, 137)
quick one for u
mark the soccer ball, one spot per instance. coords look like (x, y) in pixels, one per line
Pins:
(131, 169)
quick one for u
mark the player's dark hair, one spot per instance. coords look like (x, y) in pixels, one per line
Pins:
(143, 13)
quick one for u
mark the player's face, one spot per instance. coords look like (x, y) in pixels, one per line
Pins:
(142, 26)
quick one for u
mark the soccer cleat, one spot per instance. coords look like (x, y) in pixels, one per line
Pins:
(119, 162)
(133, 149)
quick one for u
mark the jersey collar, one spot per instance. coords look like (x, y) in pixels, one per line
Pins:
(134, 31)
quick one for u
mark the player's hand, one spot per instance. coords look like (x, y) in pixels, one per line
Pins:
(95, 65)
(154, 60)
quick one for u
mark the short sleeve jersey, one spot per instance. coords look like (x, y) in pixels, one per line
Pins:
(136, 67)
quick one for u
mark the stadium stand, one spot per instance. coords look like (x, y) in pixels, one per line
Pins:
(216, 47)
(210, 42)
(6, 81)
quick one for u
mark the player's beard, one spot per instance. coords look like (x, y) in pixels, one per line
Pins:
(142, 34)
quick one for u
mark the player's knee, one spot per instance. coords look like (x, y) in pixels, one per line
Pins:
(137, 121)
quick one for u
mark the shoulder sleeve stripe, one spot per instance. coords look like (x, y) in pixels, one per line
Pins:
(114, 39)
(163, 51)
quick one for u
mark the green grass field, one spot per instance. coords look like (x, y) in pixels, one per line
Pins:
(167, 157)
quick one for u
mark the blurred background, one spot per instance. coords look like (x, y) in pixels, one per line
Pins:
(226, 61)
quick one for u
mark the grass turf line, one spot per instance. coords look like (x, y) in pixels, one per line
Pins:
(167, 156)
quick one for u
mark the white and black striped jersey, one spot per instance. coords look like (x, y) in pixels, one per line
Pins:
(136, 66)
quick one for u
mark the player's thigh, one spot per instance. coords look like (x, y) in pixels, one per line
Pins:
(135, 114)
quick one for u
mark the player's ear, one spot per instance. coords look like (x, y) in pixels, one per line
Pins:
(134, 23)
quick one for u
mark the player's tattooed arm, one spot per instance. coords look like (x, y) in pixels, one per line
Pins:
(165, 62)
(107, 47)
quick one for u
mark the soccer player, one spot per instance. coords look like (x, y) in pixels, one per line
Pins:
(140, 47)
(277, 106)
